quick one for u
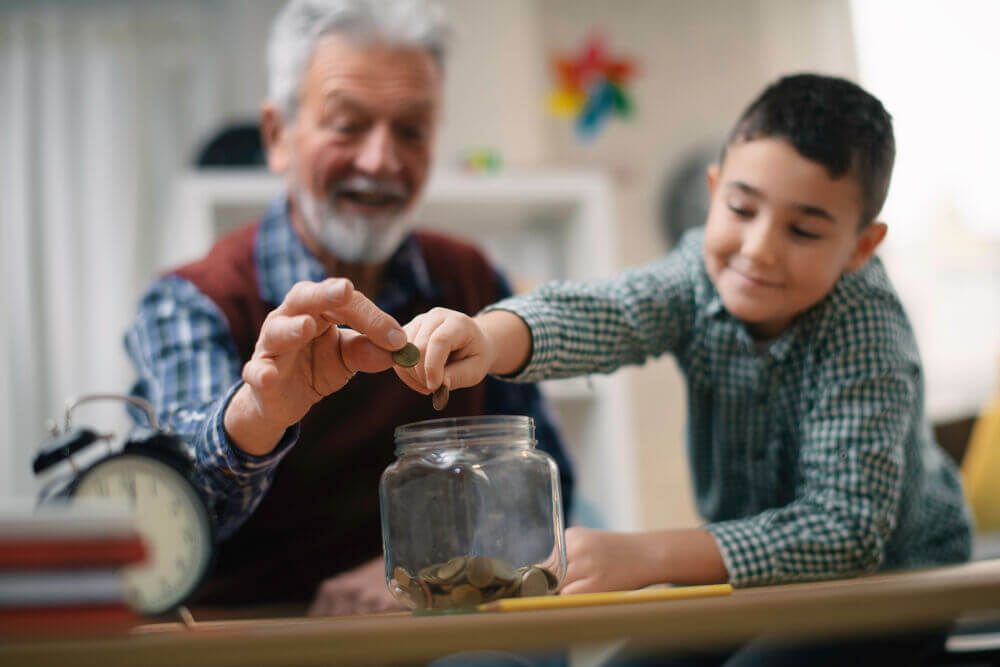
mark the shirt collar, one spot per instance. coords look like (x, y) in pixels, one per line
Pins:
(778, 349)
(283, 260)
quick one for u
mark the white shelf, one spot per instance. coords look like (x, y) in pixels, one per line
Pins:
(536, 226)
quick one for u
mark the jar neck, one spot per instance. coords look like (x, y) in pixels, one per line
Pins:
(484, 431)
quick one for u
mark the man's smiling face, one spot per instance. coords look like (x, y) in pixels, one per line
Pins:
(780, 233)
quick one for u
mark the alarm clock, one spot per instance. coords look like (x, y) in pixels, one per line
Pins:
(153, 474)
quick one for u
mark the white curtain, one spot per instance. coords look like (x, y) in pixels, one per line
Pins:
(101, 103)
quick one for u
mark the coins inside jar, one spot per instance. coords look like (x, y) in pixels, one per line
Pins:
(466, 581)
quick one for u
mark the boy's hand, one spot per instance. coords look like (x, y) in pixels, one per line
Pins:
(601, 561)
(454, 351)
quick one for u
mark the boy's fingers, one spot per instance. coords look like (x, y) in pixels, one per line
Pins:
(410, 380)
(450, 335)
(465, 373)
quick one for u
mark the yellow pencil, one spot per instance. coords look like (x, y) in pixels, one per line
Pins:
(617, 597)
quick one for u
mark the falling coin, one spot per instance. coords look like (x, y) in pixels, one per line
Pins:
(407, 356)
(439, 399)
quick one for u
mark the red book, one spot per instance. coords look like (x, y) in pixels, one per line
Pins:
(37, 553)
(86, 533)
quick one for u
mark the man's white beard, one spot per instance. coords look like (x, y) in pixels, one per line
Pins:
(352, 238)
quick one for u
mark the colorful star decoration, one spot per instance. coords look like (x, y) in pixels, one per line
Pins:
(591, 88)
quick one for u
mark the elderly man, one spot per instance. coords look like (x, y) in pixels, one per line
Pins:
(243, 352)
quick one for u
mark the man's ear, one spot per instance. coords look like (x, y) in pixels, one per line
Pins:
(274, 134)
(712, 176)
(869, 238)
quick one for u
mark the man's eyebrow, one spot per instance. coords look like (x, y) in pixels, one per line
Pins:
(340, 98)
(805, 209)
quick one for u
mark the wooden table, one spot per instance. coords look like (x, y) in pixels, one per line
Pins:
(815, 610)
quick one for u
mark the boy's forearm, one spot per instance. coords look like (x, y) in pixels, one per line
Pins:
(510, 338)
(686, 556)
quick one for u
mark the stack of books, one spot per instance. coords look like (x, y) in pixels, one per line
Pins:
(61, 568)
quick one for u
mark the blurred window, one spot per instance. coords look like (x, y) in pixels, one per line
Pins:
(934, 66)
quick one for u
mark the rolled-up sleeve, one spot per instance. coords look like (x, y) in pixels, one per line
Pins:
(187, 367)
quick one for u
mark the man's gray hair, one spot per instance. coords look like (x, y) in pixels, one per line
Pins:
(300, 24)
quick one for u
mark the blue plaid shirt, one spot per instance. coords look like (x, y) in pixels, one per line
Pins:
(188, 367)
(811, 456)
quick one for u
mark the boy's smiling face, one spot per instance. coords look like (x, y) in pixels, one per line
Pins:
(781, 232)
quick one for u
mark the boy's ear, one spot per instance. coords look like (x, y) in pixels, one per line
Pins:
(712, 176)
(273, 134)
(869, 239)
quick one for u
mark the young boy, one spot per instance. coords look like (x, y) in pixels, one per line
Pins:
(810, 453)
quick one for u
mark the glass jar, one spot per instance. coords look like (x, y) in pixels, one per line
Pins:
(471, 512)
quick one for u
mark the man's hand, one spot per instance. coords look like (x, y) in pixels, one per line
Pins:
(302, 356)
(454, 351)
(359, 591)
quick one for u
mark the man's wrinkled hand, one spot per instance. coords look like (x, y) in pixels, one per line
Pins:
(302, 356)
(359, 591)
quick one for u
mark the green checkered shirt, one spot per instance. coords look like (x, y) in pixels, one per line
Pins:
(811, 458)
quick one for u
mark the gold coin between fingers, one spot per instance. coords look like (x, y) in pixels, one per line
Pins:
(407, 356)
(439, 399)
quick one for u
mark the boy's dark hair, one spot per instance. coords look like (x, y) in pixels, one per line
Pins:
(830, 121)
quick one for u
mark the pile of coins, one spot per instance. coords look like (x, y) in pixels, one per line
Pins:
(466, 581)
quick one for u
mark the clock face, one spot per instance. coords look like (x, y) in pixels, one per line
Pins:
(172, 520)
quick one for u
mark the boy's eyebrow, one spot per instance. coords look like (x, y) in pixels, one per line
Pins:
(807, 209)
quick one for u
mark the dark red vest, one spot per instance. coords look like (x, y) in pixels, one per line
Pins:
(321, 515)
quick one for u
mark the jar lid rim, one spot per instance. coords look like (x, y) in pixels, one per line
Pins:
(455, 430)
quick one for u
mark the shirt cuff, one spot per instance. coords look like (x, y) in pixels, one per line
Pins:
(536, 314)
(744, 552)
(230, 461)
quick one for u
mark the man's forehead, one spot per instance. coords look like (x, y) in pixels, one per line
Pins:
(351, 62)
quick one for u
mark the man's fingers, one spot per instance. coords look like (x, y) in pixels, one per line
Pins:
(307, 298)
(362, 315)
(360, 354)
(282, 333)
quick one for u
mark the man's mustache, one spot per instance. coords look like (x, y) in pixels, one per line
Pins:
(365, 185)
